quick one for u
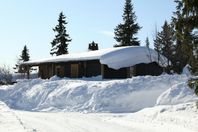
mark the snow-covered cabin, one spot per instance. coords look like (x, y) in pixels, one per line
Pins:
(121, 62)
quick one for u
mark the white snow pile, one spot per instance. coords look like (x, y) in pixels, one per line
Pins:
(179, 93)
(97, 95)
(187, 70)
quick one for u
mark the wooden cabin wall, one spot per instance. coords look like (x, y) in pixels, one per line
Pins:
(148, 69)
(75, 69)
(67, 69)
(138, 70)
(59, 69)
(85, 68)
(110, 73)
(45, 70)
(92, 68)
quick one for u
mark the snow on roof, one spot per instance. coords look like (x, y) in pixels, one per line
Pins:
(81, 56)
(113, 57)
(130, 56)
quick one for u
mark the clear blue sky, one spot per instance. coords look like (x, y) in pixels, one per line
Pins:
(30, 22)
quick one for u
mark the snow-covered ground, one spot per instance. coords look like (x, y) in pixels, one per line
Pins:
(177, 118)
(140, 104)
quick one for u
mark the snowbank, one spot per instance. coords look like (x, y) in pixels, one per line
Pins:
(177, 94)
(95, 95)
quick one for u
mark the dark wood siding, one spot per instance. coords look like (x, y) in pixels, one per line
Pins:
(137, 70)
(59, 69)
(110, 73)
(92, 68)
(63, 69)
(67, 70)
(46, 70)
(148, 69)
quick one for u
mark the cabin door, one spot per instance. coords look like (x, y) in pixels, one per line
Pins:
(74, 70)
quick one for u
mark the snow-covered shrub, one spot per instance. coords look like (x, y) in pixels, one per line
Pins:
(193, 83)
(5, 75)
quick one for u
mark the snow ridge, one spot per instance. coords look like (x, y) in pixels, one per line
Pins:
(94, 95)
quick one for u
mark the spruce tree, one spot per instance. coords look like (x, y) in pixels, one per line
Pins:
(189, 10)
(125, 32)
(23, 58)
(25, 54)
(62, 39)
(167, 41)
(164, 43)
(185, 38)
(157, 44)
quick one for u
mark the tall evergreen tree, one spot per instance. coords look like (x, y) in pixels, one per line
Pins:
(167, 41)
(189, 10)
(126, 31)
(62, 39)
(157, 44)
(23, 58)
(25, 54)
(185, 21)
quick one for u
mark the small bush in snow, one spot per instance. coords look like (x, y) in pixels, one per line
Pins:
(193, 83)
(5, 75)
(197, 104)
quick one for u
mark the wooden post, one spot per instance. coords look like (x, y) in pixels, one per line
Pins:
(102, 71)
(28, 72)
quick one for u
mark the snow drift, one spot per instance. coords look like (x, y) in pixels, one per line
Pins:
(179, 93)
(95, 95)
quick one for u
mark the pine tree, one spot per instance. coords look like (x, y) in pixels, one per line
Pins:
(185, 39)
(167, 41)
(157, 44)
(126, 31)
(23, 58)
(25, 54)
(62, 39)
(189, 10)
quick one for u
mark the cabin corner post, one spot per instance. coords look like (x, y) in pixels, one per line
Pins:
(53, 69)
(128, 72)
(28, 71)
(102, 71)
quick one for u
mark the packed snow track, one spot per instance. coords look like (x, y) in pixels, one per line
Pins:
(160, 118)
